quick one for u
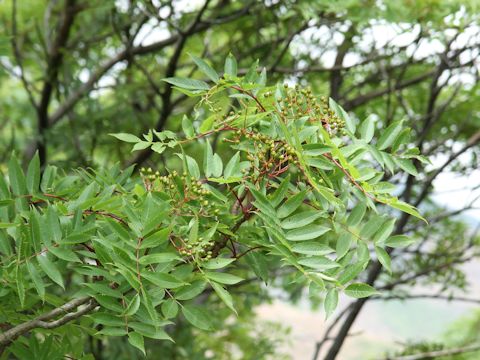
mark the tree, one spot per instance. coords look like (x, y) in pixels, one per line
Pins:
(77, 71)
(281, 201)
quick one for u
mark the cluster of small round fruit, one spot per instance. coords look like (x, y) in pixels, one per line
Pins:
(270, 154)
(194, 193)
(301, 102)
(200, 249)
(330, 118)
(192, 189)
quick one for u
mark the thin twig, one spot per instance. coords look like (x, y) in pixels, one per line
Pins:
(437, 353)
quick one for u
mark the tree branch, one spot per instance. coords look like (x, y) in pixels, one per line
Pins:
(43, 322)
(18, 56)
(427, 296)
(336, 77)
(473, 141)
(326, 336)
(166, 96)
(362, 99)
(77, 95)
(438, 353)
(56, 54)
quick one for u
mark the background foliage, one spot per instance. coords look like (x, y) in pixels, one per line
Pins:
(75, 71)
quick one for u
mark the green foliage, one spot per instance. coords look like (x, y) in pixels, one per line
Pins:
(145, 251)
(66, 85)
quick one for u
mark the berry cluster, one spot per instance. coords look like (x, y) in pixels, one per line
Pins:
(301, 102)
(187, 190)
(199, 249)
(271, 157)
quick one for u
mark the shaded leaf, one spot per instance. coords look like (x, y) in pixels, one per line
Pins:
(50, 269)
(230, 65)
(197, 316)
(126, 137)
(389, 135)
(331, 301)
(33, 174)
(169, 308)
(384, 258)
(205, 68)
(291, 204)
(136, 340)
(224, 295)
(185, 83)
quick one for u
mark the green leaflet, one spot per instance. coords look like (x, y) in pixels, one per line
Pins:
(384, 231)
(126, 137)
(205, 68)
(33, 174)
(232, 169)
(389, 135)
(197, 316)
(190, 291)
(187, 127)
(291, 204)
(230, 65)
(384, 258)
(189, 84)
(162, 280)
(217, 263)
(150, 331)
(360, 290)
(301, 219)
(342, 114)
(133, 306)
(320, 263)
(50, 269)
(306, 233)
(169, 308)
(343, 244)
(367, 129)
(223, 278)
(136, 340)
(16, 177)
(331, 302)
(224, 295)
(311, 248)
(407, 208)
(398, 241)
